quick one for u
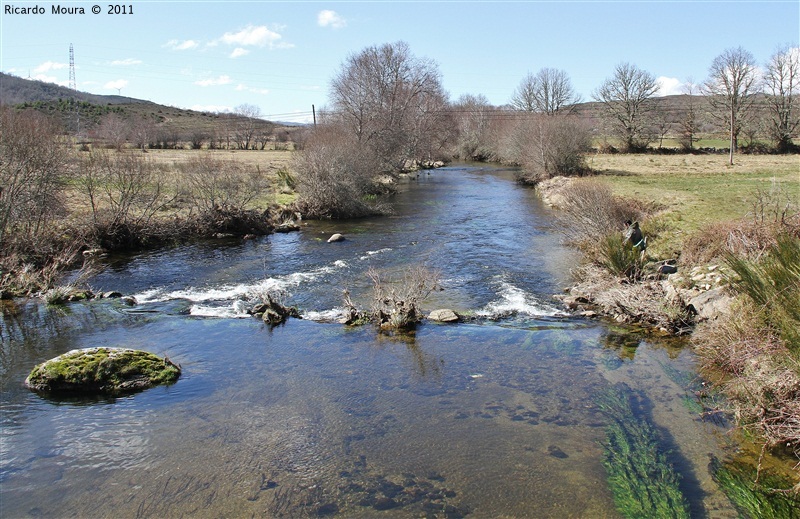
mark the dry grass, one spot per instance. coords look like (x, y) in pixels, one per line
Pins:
(753, 367)
(643, 303)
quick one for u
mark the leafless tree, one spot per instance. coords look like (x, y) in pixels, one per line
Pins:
(730, 89)
(246, 125)
(114, 130)
(548, 91)
(215, 184)
(124, 191)
(334, 175)
(627, 100)
(32, 163)
(143, 132)
(391, 101)
(782, 85)
(473, 116)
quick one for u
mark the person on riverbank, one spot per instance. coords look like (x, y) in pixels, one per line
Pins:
(634, 236)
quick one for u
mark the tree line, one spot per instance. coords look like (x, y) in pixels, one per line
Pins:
(388, 111)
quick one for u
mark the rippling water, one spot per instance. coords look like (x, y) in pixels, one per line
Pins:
(495, 418)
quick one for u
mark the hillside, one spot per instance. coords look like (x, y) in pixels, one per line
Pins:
(83, 113)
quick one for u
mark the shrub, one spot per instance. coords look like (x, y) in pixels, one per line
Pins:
(32, 167)
(546, 146)
(334, 177)
(590, 211)
(125, 191)
(396, 305)
(771, 213)
(225, 185)
(619, 257)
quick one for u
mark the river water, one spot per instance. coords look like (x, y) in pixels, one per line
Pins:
(495, 417)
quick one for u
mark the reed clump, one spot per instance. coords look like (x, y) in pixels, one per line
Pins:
(753, 355)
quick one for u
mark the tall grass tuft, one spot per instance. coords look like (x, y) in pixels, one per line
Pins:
(642, 480)
(773, 284)
(619, 257)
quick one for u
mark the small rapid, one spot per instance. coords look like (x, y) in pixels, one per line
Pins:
(490, 249)
(495, 417)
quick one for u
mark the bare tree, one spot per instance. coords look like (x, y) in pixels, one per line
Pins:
(626, 97)
(730, 89)
(472, 115)
(390, 101)
(143, 132)
(548, 92)
(114, 130)
(32, 163)
(226, 185)
(333, 175)
(246, 125)
(782, 85)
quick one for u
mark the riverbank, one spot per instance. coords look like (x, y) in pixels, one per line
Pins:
(710, 228)
(111, 201)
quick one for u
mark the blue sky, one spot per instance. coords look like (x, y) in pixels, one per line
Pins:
(281, 56)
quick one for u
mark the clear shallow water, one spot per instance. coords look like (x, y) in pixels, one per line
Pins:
(489, 419)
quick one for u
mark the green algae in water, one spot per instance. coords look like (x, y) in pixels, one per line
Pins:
(754, 494)
(102, 370)
(643, 482)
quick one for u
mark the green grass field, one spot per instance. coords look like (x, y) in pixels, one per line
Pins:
(695, 190)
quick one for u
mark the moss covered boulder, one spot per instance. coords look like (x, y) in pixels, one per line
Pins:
(109, 371)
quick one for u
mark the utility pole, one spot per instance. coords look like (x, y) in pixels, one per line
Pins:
(314, 113)
(72, 85)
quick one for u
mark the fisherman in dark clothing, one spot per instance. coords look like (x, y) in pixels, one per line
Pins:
(634, 237)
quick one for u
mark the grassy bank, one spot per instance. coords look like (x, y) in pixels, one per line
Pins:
(108, 200)
(694, 191)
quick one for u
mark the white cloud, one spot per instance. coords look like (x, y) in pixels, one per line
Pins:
(669, 86)
(221, 80)
(116, 84)
(254, 36)
(332, 19)
(47, 66)
(182, 45)
(238, 52)
(126, 62)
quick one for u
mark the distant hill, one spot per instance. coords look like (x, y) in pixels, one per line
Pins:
(83, 112)
(16, 90)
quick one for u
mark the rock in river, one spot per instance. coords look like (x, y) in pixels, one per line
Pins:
(102, 371)
(444, 316)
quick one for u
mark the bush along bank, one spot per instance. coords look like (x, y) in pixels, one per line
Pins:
(740, 306)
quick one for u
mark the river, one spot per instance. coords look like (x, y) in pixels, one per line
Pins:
(495, 417)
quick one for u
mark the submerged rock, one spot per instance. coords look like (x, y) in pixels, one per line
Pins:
(335, 238)
(102, 371)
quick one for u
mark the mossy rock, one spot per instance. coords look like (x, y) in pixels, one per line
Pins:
(109, 371)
